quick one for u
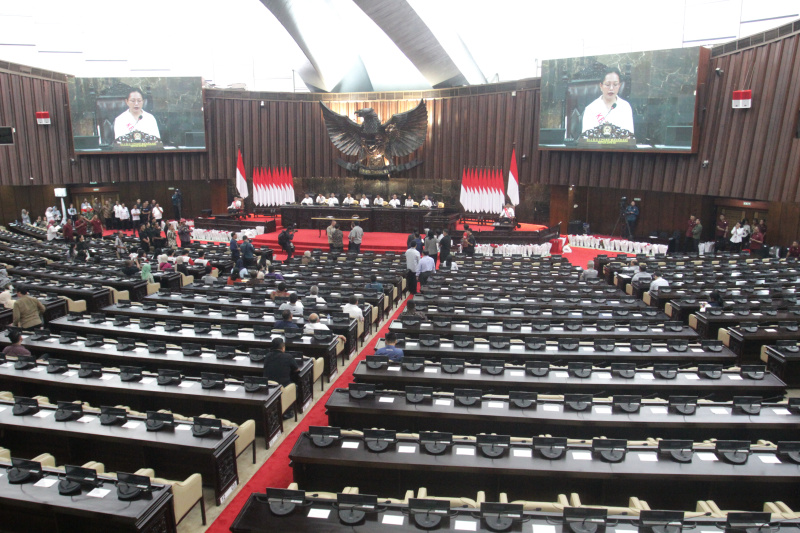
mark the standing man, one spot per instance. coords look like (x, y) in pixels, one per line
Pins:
(248, 252)
(425, 268)
(631, 217)
(697, 234)
(355, 238)
(688, 240)
(412, 264)
(721, 234)
(444, 249)
(329, 231)
(336, 238)
(235, 252)
(177, 203)
(27, 310)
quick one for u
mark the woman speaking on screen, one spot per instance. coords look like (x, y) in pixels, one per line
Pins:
(609, 107)
(135, 118)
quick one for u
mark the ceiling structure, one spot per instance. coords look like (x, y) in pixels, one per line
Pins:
(356, 45)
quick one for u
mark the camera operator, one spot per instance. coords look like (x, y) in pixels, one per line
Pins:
(631, 218)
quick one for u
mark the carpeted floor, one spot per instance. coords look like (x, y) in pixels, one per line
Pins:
(276, 472)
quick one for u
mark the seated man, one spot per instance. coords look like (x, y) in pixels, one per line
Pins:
(286, 321)
(236, 206)
(293, 305)
(271, 274)
(307, 200)
(426, 202)
(409, 201)
(364, 202)
(395, 201)
(208, 279)
(280, 291)
(589, 272)
(129, 269)
(642, 276)
(321, 199)
(333, 201)
(374, 284)
(314, 291)
(378, 201)
(201, 258)
(349, 200)
(411, 309)
(658, 282)
(389, 349)
(313, 324)
(281, 368)
(15, 348)
(353, 309)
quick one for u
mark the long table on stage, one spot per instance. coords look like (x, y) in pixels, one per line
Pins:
(229, 223)
(384, 219)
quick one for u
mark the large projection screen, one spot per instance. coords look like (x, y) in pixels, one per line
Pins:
(136, 114)
(635, 101)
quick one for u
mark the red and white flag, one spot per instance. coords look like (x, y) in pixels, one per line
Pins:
(463, 197)
(291, 185)
(513, 180)
(241, 177)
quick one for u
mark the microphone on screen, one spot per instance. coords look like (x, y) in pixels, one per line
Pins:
(613, 106)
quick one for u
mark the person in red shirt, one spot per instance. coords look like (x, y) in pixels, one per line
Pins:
(81, 226)
(97, 227)
(757, 242)
(688, 242)
(794, 250)
(69, 231)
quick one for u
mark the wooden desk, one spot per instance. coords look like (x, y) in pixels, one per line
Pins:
(53, 308)
(784, 361)
(30, 507)
(641, 472)
(173, 454)
(656, 332)
(190, 399)
(747, 345)
(710, 322)
(107, 354)
(559, 381)
(137, 288)
(96, 297)
(495, 414)
(550, 351)
(245, 339)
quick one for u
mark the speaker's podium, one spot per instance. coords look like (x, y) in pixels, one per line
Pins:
(137, 140)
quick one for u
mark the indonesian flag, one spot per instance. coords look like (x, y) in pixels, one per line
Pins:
(241, 177)
(269, 188)
(284, 188)
(255, 186)
(262, 186)
(499, 195)
(291, 184)
(463, 197)
(513, 181)
(472, 190)
(484, 191)
(258, 190)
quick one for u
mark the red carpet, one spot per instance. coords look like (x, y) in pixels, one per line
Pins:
(311, 239)
(276, 471)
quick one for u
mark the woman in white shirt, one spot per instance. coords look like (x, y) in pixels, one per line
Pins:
(737, 234)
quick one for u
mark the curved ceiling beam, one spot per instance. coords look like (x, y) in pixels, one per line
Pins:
(413, 37)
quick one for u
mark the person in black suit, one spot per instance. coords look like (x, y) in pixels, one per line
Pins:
(281, 367)
(444, 249)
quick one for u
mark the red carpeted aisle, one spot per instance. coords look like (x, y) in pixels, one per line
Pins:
(276, 471)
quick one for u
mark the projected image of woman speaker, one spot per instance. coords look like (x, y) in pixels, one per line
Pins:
(609, 108)
(135, 118)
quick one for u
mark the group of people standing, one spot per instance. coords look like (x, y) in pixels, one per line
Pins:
(729, 238)
(423, 252)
